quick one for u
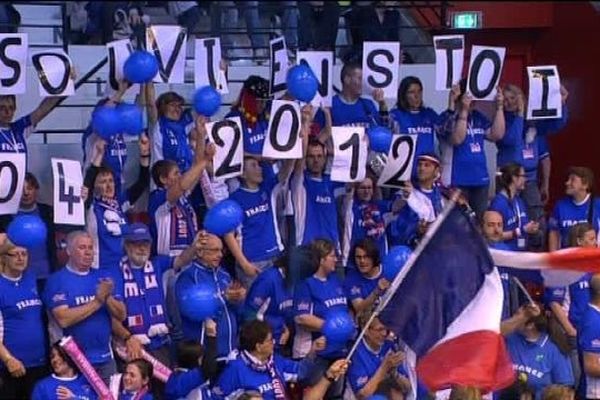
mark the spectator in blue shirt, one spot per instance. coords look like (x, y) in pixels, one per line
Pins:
(509, 204)
(134, 383)
(376, 366)
(412, 117)
(535, 354)
(82, 301)
(464, 163)
(207, 269)
(365, 284)
(314, 298)
(350, 108)
(23, 348)
(66, 382)
(589, 343)
(270, 300)
(580, 205)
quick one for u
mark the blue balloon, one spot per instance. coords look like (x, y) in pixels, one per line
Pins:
(140, 67)
(199, 302)
(223, 217)
(27, 231)
(338, 328)
(394, 260)
(302, 82)
(105, 122)
(380, 139)
(207, 101)
(131, 118)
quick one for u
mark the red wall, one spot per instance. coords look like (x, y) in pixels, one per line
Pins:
(571, 43)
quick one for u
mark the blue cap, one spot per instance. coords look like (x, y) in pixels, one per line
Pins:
(137, 232)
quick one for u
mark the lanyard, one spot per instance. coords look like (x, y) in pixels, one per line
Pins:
(12, 139)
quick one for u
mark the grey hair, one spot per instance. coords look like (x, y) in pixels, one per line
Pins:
(72, 238)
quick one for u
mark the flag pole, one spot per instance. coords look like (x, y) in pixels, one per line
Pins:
(385, 299)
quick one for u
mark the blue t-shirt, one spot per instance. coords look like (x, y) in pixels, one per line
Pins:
(365, 362)
(170, 140)
(67, 287)
(240, 376)
(362, 112)
(259, 237)
(588, 340)
(315, 210)
(541, 360)
(514, 215)
(78, 385)
(173, 226)
(319, 297)
(12, 138)
(424, 123)
(358, 286)
(254, 138)
(577, 295)
(269, 300)
(21, 325)
(566, 214)
(465, 164)
(227, 313)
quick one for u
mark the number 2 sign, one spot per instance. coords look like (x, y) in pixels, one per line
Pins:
(398, 167)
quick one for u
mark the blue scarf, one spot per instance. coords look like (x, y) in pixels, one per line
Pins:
(269, 366)
(144, 301)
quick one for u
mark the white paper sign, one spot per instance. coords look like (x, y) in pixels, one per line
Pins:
(544, 101)
(227, 137)
(118, 52)
(485, 69)
(279, 65)
(12, 177)
(398, 167)
(350, 149)
(381, 67)
(168, 44)
(321, 63)
(449, 59)
(283, 135)
(207, 69)
(13, 63)
(54, 73)
(68, 204)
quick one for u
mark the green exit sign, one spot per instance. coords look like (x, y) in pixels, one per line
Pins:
(466, 20)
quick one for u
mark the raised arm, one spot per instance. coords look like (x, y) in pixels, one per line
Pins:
(47, 105)
(307, 118)
(202, 157)
(459, 131)
(498, 125)
(151, 110)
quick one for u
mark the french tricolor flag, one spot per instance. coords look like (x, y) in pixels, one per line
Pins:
(446, 304)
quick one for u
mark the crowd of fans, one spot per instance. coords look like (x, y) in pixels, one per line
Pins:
(306, 25)
(307, 245)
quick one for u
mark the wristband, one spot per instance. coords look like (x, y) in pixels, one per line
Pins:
(329, 378)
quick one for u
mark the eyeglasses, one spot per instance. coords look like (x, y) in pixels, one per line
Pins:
(380, 329)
